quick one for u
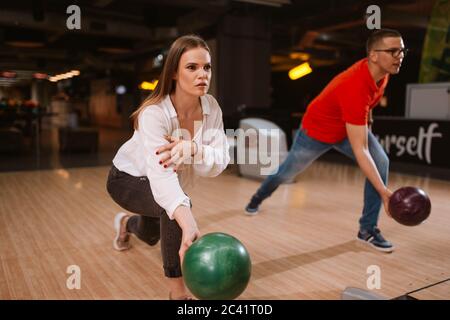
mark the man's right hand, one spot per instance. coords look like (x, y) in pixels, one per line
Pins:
(385, 198)
(358, 137)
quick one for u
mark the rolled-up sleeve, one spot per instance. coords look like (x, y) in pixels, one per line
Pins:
(164, 182)
(215, 155)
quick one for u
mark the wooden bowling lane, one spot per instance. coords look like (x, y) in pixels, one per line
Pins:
(438, 291)
(302, 243)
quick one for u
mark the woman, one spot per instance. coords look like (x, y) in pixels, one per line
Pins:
(178, 135)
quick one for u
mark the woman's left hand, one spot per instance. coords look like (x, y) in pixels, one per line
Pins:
(176, 152)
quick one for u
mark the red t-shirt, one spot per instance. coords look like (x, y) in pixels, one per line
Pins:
(346, 99)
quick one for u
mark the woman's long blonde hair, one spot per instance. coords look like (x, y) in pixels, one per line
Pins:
(166, 83)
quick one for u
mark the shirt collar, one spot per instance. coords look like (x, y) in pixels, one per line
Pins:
(173, 113)
(372, 84)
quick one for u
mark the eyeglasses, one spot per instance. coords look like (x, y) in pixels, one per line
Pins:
(395, 52)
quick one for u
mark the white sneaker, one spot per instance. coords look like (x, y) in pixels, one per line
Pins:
(119, 244)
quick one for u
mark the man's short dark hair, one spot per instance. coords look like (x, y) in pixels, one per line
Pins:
(380, 34)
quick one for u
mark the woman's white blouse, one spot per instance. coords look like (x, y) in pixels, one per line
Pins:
(138, 158)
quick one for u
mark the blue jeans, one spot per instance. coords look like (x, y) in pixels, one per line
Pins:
(305, 150)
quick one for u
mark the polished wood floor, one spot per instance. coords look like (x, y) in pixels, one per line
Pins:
(302, 243)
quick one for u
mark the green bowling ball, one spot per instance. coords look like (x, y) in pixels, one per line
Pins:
(216, 267)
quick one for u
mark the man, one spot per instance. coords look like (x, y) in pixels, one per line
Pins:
(339, 118)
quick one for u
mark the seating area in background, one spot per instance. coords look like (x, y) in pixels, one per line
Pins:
(21, 125)
(17, 120)
(78, 139)
(11, 140)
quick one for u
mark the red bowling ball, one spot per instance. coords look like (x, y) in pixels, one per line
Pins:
(409, 206)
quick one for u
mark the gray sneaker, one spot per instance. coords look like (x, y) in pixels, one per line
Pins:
(374, 238)
(252, 208)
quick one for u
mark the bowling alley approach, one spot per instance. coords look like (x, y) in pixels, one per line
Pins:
(224, 150)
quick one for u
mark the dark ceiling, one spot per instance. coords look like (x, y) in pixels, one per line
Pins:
(116, 33)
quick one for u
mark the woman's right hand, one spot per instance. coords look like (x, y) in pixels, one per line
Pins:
(185, 219)
(189, 236)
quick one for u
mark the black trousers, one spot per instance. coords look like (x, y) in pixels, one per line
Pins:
(152, 223)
